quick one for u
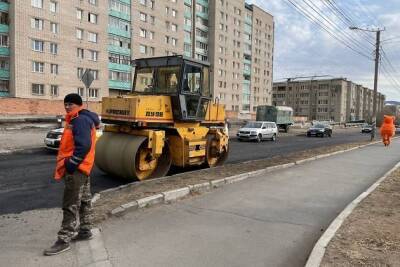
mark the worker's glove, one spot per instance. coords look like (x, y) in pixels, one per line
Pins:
(71, 164)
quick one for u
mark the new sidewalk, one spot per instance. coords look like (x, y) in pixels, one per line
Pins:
(269, 220)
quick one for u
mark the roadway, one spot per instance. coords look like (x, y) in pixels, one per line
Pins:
(26, 179)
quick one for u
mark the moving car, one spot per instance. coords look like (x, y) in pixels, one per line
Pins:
(53, 138)
(258, 131)
(320, 129)
(366, 128)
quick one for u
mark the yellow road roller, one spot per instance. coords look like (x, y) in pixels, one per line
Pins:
(168, 119)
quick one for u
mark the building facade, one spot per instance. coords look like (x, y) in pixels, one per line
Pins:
(46, 45)
(336, 99)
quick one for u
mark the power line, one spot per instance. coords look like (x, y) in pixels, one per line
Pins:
(313, 20)
(320, 12)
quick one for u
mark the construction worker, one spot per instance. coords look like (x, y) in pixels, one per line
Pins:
(387, 129)
(75, 160)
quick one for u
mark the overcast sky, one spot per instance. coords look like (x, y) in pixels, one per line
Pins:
(304, 49)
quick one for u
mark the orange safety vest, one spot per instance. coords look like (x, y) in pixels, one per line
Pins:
(67, 147)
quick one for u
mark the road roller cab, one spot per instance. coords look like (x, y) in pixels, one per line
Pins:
(167, 119)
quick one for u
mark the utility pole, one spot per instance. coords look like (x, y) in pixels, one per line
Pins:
(378, 37)
(377, 47)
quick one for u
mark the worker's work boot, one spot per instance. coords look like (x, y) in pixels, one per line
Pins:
(83, 235)
(58, 247)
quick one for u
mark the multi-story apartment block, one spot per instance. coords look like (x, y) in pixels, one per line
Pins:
(46, 45)
(52, 43)
(336, 99)
(242, 54)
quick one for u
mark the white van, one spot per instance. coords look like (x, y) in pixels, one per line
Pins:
(258, 131)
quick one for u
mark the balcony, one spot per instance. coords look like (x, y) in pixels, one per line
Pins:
(4, 28)
(248, 21)
(202, 2)
(202, 15)
(187, 28)
(247, 28)
(202, 27)
(119, 67)
(4, 51)
(120, 85)
(119, 15)
(4, 94)
(117, 31)
(4, 74)
(4, 6)
(187, 14)
(202, 39)
(247, 61)
(119, 50)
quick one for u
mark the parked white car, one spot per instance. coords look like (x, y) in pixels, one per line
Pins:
(53, 138)
(258, 131)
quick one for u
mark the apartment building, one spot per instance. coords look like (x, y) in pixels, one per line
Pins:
(335, 99)
(51, 43)
(45, 46)
(241, 52)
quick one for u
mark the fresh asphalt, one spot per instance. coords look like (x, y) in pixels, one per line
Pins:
(268, 220)
(26, 179)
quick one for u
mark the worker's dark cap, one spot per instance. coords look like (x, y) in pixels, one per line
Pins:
(73, 98)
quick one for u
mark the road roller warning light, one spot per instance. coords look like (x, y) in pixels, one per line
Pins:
(167, 120)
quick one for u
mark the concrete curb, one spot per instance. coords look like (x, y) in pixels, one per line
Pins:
(318, 252)
(31, 150)
(176, 194)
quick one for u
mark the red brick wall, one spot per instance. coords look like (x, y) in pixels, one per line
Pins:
(22, 106)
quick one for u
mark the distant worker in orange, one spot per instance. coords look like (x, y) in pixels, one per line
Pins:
(387, 129)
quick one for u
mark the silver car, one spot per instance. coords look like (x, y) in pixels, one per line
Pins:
(258, 131)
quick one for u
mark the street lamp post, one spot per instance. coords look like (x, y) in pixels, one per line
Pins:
(377, 44)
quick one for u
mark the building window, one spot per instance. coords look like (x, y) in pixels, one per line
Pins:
(93, 2)
(174, 41)
(174, 13)
(174, 27)
(37, 3)
(54, 48)
(92, 18)
(4, 40)
(53, 6)
(142, 49)
(95, 74)
(79, 34)
(54, 69)
(80, 53)
(143, 33)
(143, 16)
(4, 64)
(81, 91)
(37, 45)
(93, 55)
(92, 37)
(54, 90)
(93, 93)
(37, 89)
(54, 27)
(4, 86)
(37, 66)
(79, 14)
(143, 2)
(79, 73)
(37, 23)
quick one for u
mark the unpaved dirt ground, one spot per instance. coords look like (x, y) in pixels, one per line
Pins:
(137, 190)
(370, 236)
